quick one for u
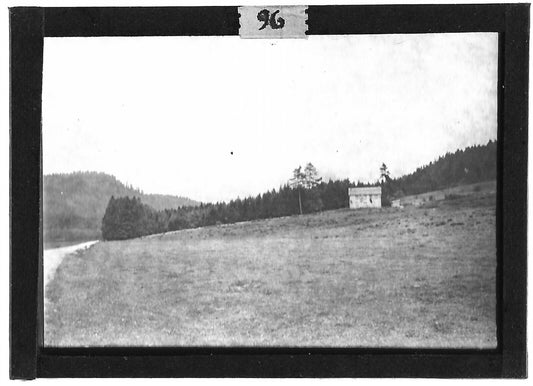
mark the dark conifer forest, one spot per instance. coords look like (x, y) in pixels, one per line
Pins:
(468, 166)
(74, 204)
(129, 217)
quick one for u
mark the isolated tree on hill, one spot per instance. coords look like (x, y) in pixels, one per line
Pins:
(384, 174)
(298, 182)
(312, 200)
(386, 185)
(306, 179)
(311, 178)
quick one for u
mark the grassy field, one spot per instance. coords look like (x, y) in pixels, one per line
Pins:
(413, 277)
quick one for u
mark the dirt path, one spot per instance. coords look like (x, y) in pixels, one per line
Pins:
(53, 257)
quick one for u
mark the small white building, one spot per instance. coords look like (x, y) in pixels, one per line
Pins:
(365, 197)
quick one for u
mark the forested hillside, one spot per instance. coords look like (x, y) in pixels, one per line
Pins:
(473, 164)
(74, 203)
(131, 217)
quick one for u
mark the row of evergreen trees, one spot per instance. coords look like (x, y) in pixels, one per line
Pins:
(127, 217)
(306, 193)
(473, 164)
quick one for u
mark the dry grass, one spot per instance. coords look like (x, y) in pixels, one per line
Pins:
(418, 277)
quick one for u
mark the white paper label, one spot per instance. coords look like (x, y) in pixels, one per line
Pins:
(271, 22)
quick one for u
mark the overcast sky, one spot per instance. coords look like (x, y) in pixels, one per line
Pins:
(213, 118)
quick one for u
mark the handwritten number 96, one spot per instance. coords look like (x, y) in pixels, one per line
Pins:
(267, 19)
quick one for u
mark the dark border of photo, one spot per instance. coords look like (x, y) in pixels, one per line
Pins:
(28, 358)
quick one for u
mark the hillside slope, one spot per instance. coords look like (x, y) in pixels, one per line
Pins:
(413, 277)
(74, 203)
(130, 218)
(466, 166)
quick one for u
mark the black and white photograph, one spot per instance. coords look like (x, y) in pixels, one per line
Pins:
(329, 191)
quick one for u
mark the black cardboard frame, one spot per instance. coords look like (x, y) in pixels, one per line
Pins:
(28, 359)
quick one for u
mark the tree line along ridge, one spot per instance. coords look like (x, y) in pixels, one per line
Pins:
(127, 217)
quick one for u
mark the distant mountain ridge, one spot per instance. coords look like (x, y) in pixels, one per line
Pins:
(74, 203)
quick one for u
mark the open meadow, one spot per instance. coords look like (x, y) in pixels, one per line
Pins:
(390, 277)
